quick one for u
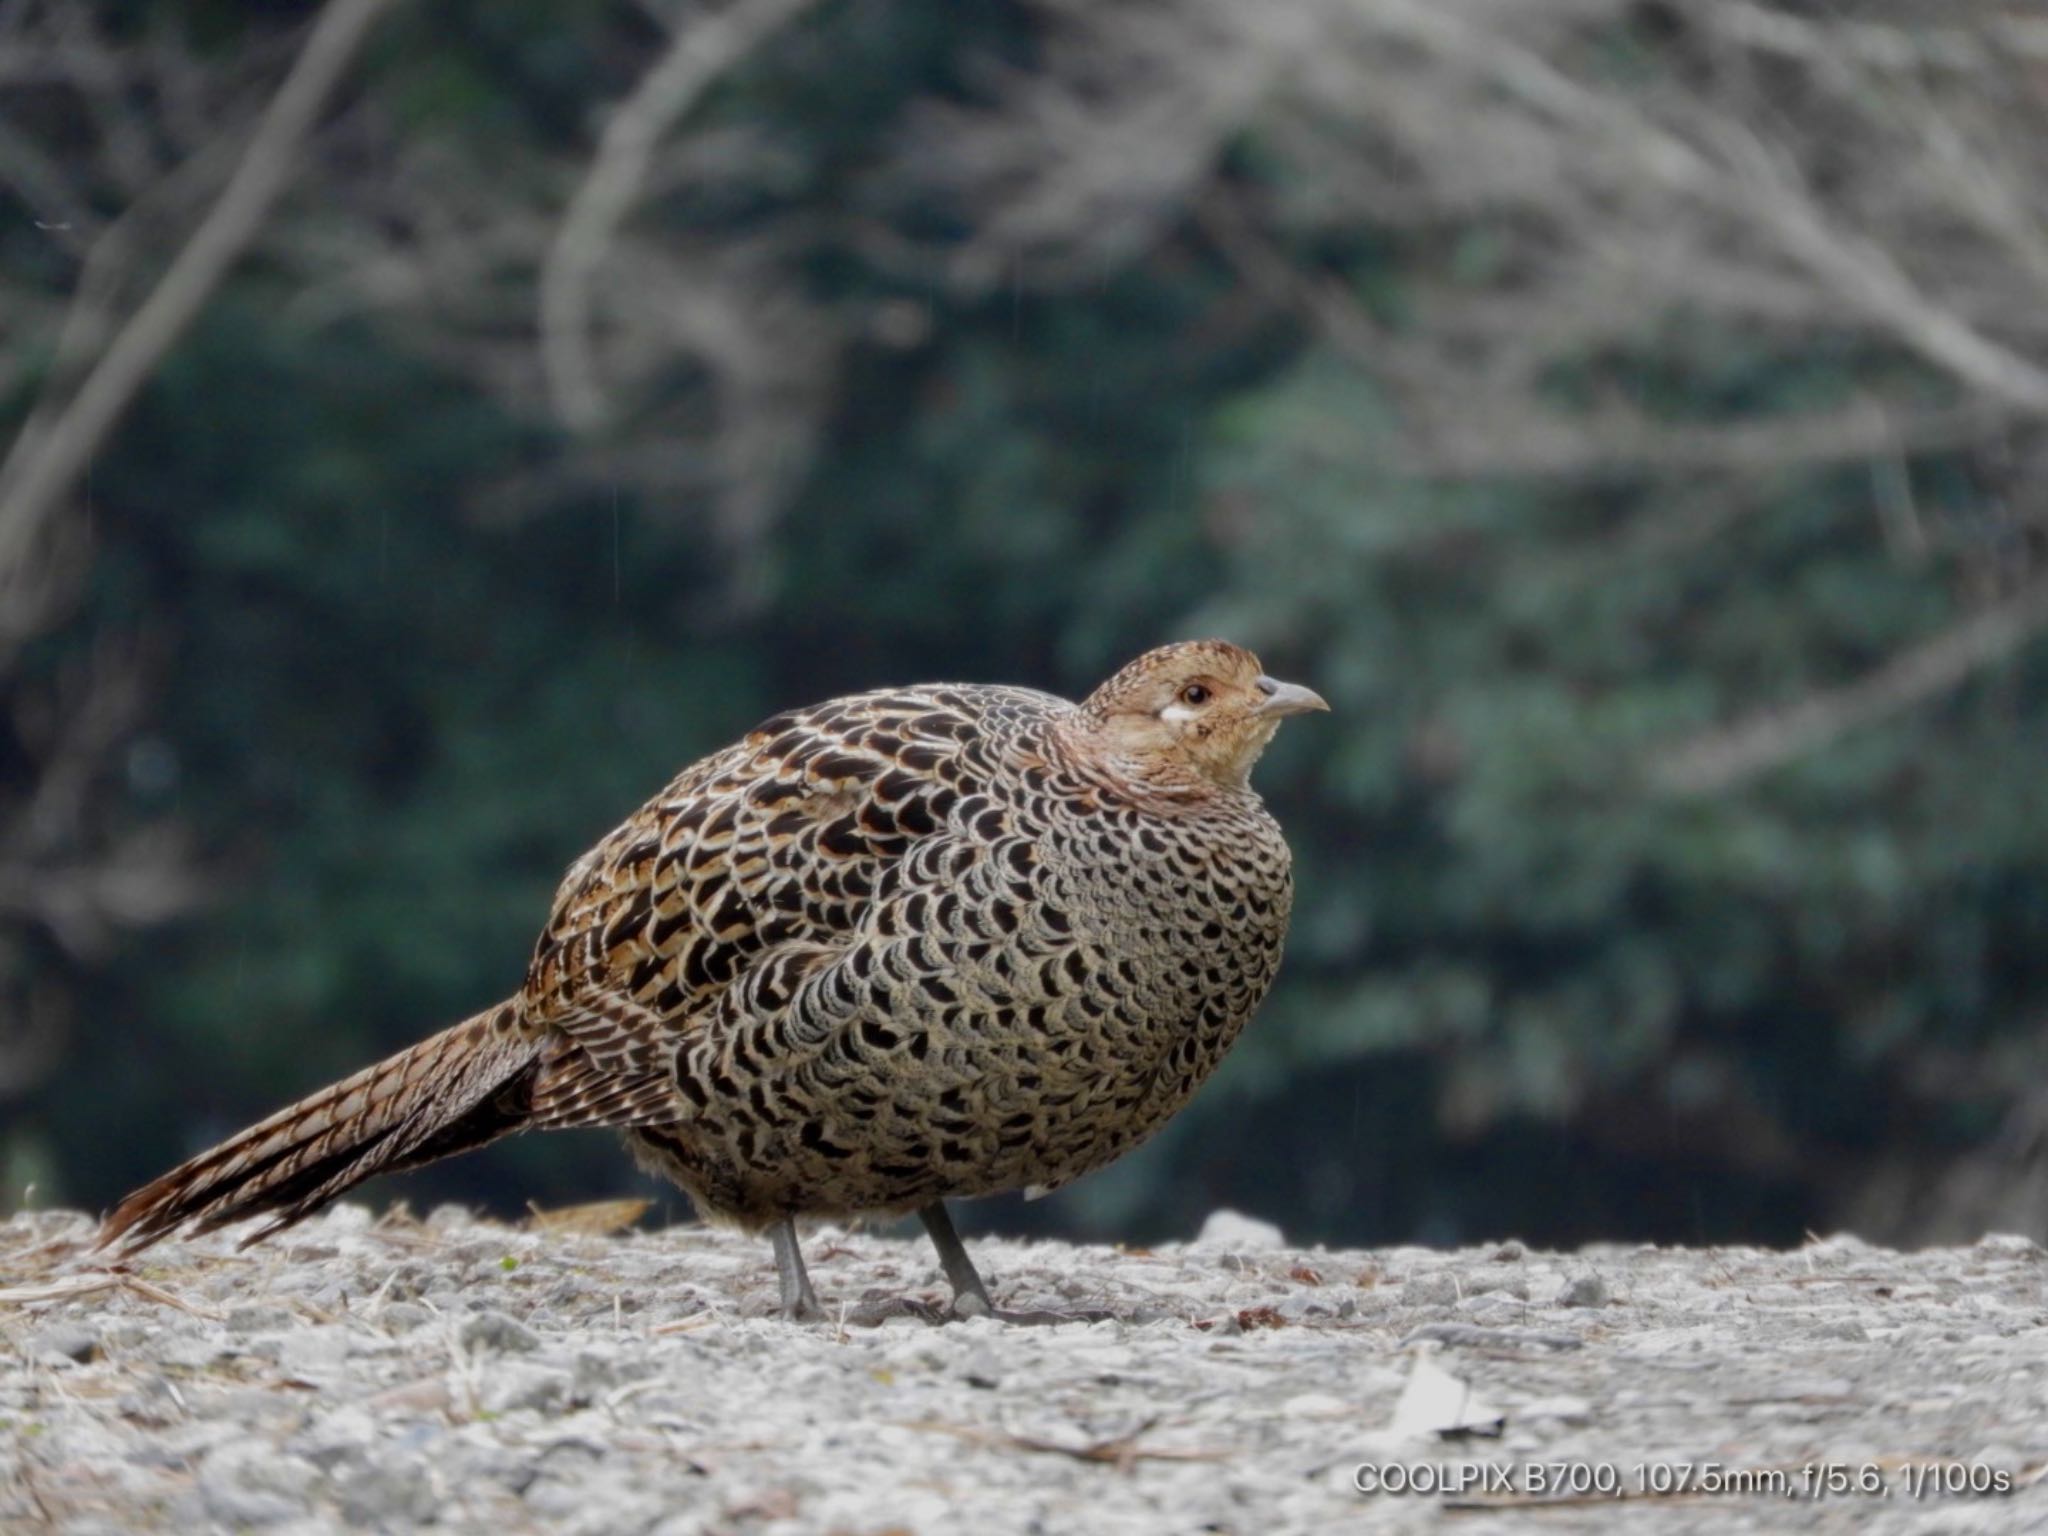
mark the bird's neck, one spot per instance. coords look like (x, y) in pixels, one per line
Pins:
(1156, 781)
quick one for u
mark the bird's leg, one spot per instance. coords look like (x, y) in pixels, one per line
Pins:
(799, 1301)
(970, 1296)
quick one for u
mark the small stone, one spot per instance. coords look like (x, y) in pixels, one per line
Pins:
(408, 1281)
(2018, 1244)
(259, 1319)
(1563, 1410)
(1587, 1290)
(557, 1499)
(314, 1351)
(127, 1333)
(349, 1216)
(1999, 1458)
(497, 1332)
(403, 1316)
(416, 1438)
(1498, 1284)
(981, 1371)
(1492, 1309)
(1510, 1252)
(66, 1341)
(340, 1436)
(1302, 1305)
(386, 1496)
(154, 1404)
(1439, 1288)
(247, 1483)
(1317, 1405)
(1233, 1229)
(593, 1375)
(513, 1388)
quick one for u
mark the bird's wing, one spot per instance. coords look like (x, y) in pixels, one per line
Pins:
(757, 864)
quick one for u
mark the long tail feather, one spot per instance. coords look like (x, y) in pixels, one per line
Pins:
(470, 1084)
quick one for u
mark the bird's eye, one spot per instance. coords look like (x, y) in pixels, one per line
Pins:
(1194, 693)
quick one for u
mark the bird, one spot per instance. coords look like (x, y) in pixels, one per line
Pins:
(900, 947)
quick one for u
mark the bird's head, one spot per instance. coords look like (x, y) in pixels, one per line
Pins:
(1201, 706)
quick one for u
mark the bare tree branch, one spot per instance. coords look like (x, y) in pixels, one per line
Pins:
(43, 466)
(1759, 185)
(1728, 757)
(703, 52)
(1865, 272)
(1880, 45)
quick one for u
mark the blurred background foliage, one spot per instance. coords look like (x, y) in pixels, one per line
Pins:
(1629, 414)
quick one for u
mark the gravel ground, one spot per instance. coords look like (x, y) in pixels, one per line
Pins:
(389, 1374)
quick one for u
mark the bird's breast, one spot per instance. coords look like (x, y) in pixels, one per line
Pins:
(1182, 919)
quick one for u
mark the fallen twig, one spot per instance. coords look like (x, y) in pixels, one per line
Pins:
(71, 1287)
(1120, 1451)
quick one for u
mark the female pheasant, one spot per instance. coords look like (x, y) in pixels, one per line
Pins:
(936, 941)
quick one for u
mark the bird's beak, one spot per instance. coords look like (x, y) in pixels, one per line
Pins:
(1288, 699)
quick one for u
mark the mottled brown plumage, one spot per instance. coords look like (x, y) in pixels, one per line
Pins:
(927, 942)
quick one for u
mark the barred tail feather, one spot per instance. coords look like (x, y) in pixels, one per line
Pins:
(466, 1086)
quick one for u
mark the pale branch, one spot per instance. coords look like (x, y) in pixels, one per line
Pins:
(1878, 45)
(703, 52)
(43, 468)
(1464, 427)
(1516, 440)
(107, 270)
(1872, 278)
(1730, 756)
(1746, 179)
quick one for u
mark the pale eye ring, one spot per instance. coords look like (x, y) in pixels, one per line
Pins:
(1194, 693)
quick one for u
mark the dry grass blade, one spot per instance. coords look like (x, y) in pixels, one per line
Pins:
(598, 1218)
(72, 1287)
(67, 1289)
(156, 1293)
(684, 1325)
(43, 1255)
